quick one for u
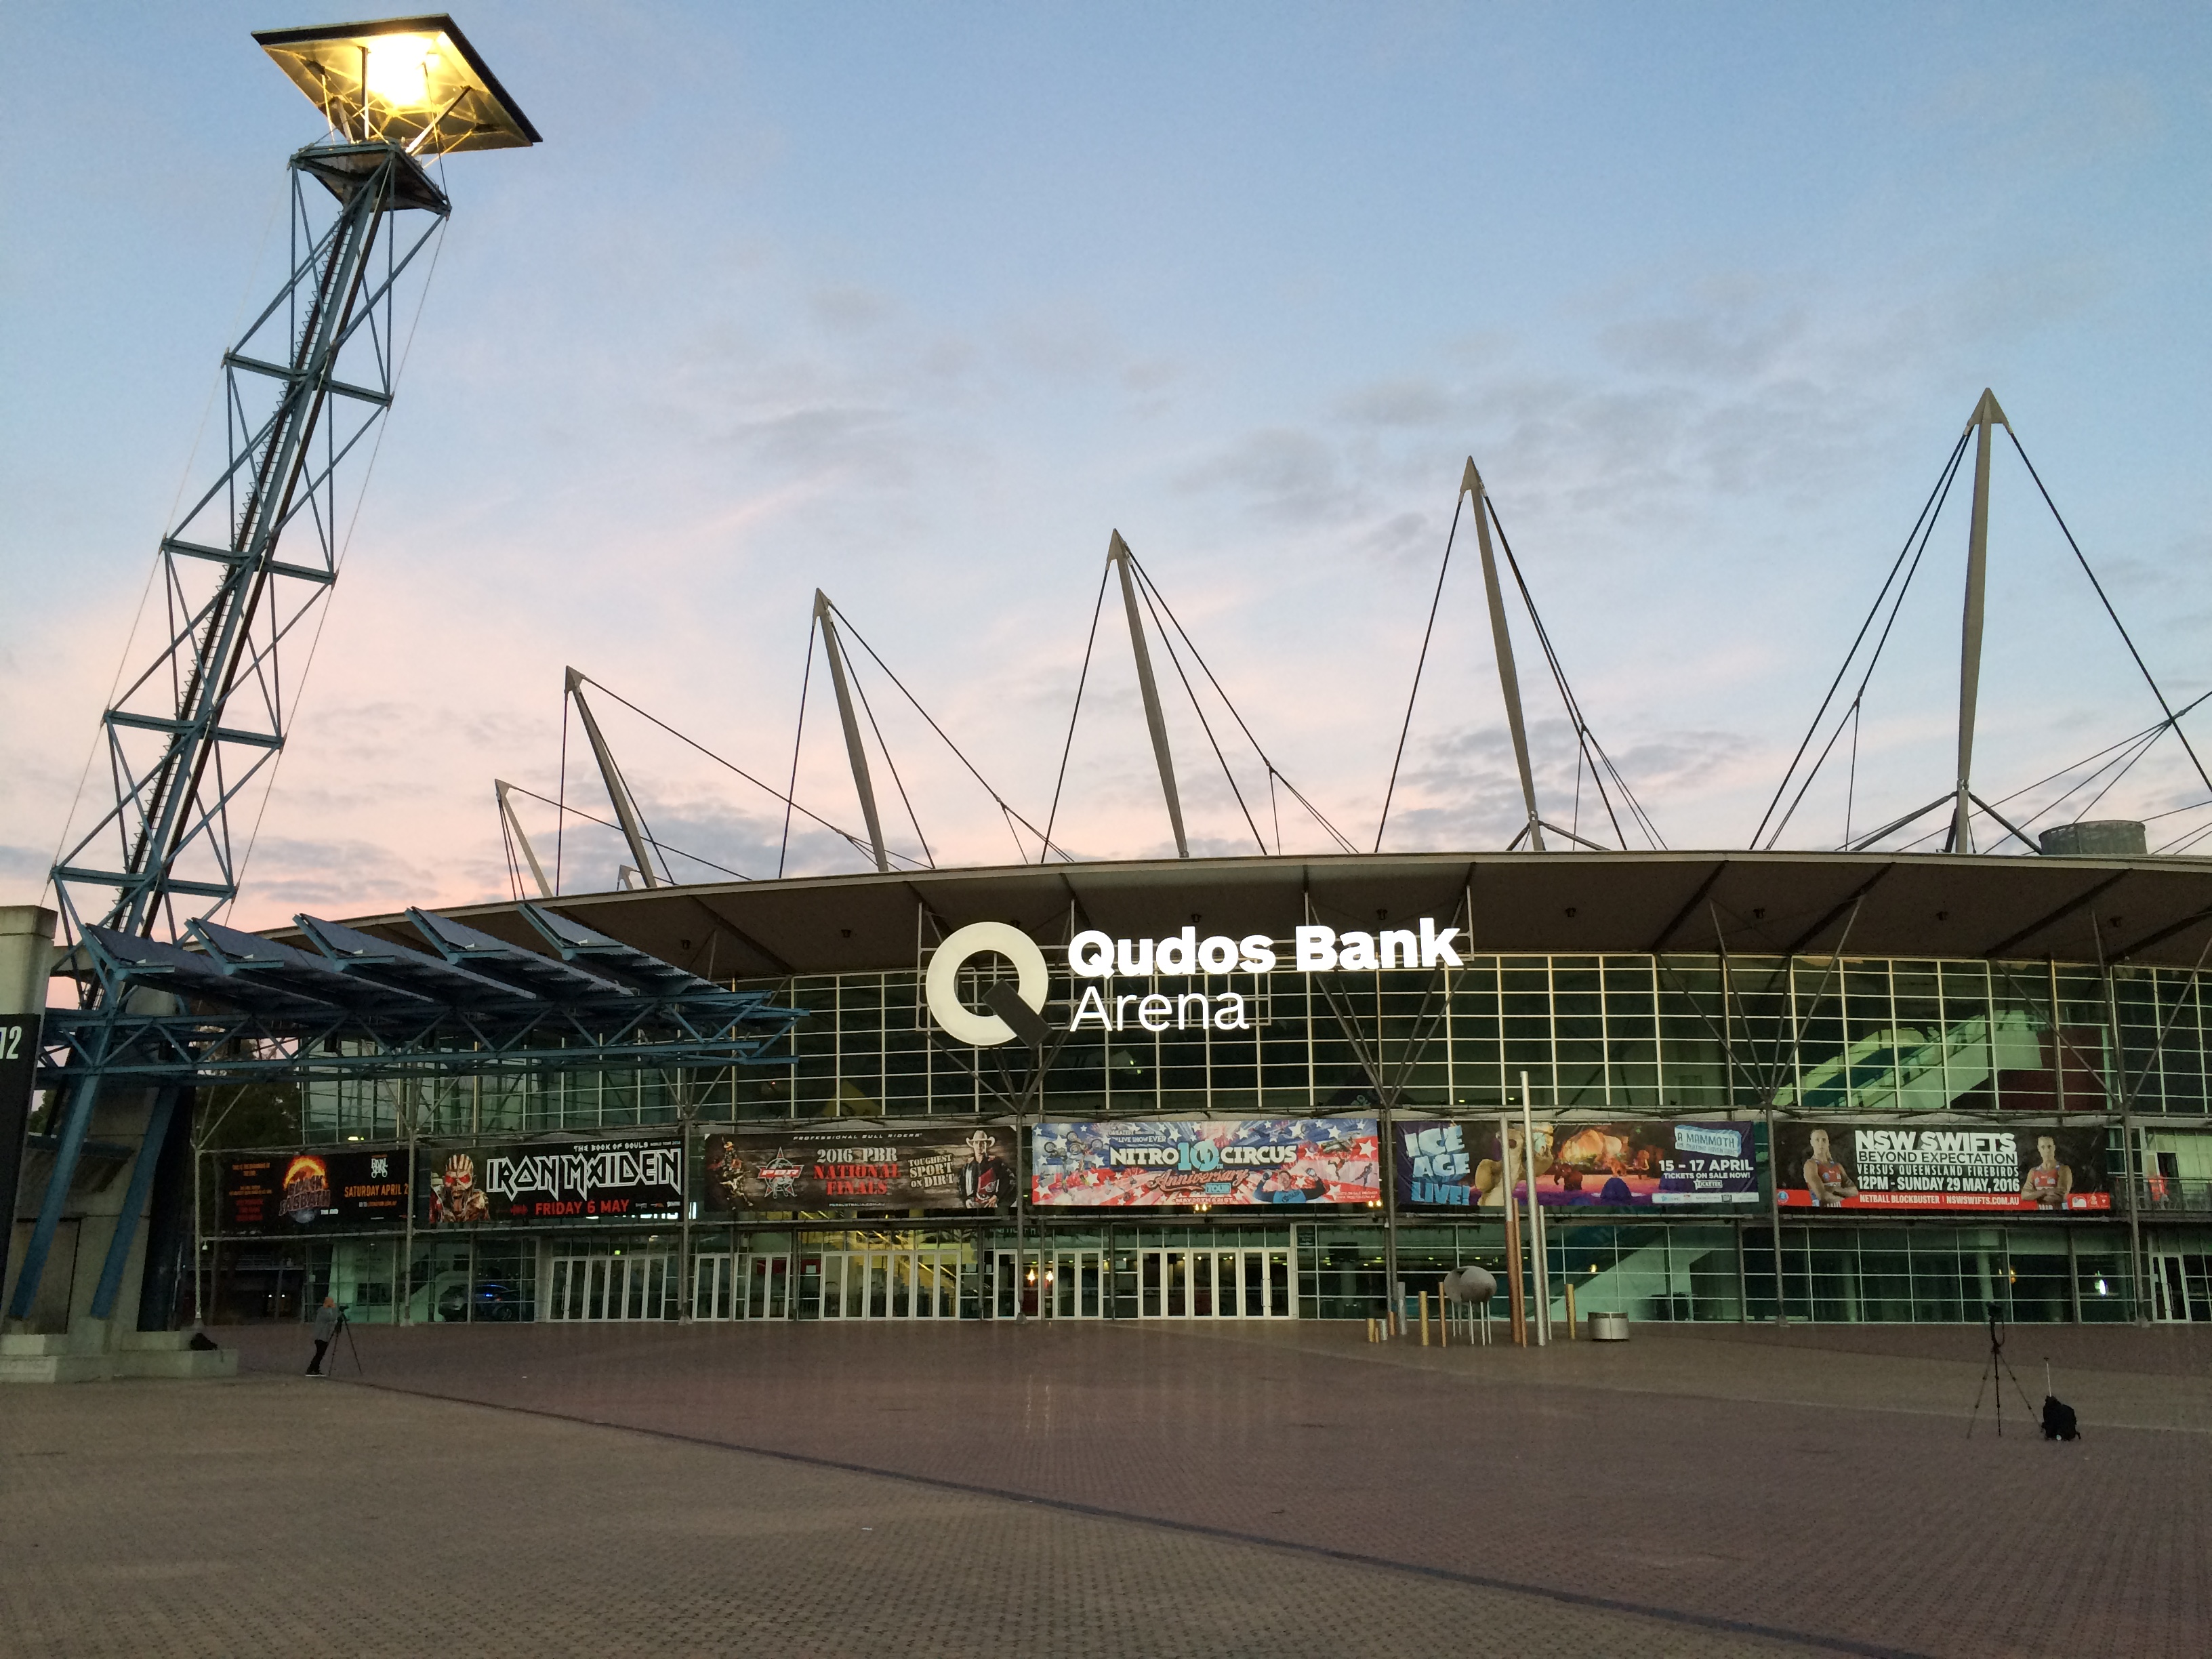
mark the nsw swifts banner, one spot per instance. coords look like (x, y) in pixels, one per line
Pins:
(1865, 1166)
(1231, 1161)
(1629, 1163)
(875, 1168)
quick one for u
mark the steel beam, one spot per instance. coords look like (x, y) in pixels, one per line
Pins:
(617, 791)
(1509, 679)
(134, 1201)
(69, 1146)
(499, 787)
(1117, 554)
(855, 750)
(1986, 414)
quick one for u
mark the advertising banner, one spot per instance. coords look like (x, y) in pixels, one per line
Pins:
(273, 1192)
(635, 1180)
(1233, 1160)
(812, 1166)
(1863, 1166)
(1455, 1165)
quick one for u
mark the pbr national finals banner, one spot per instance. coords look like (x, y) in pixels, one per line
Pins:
(1240, 1161)
(871, 1166)
(1863, 1166)
(1456, 1165)
(639, 1180)
(301, 1189)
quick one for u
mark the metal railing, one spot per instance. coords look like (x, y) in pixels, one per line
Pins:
(2175, 1195)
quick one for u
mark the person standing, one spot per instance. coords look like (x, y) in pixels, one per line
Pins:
(326, 1327)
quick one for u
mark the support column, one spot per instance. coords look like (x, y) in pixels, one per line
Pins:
(856, 750)
(1986, 414)
(1501, 636)
(1117, 553)
(499, 787)
(142, 1168)
(617, 792)
(169, 1227)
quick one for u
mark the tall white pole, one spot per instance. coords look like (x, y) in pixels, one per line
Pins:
(1543, 1321)
(1515, 1292)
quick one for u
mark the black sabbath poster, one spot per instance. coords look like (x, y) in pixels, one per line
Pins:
(632, 1180)
(1866, 1166)
(812, 1166)
(273, 1192)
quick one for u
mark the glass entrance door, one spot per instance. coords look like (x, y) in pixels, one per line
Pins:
(607, 1287)
(2181, 1287)
(891, 1284)
(1239, 1283)
(1012, 1281)
(741, 1288)
(1072, 1284)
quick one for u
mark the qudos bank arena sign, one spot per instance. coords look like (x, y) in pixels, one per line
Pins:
(1100, 958)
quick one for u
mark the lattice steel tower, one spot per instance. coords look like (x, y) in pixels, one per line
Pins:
(303, 391)
(245, 570)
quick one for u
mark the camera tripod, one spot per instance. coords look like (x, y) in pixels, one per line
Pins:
(1990, 1368)
(330, 1359)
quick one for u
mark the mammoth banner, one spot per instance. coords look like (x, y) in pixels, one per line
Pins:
(631, 1180)
(1657, 1162)
(814, 1166)
(265, 1193)
(1209, 1161)
(1865, 1166)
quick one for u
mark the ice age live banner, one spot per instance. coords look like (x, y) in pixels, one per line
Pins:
(1864, 1166)
(1223, 1160)
(864, 1164)
(1455, 1165)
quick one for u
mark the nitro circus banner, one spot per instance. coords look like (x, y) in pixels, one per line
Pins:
(329, 1189)
(1850, 1166)
(631, 1180)
(1254, 1160)
(803, 1169)
(1458, 1165)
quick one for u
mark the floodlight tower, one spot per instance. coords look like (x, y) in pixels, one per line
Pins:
(303, 391)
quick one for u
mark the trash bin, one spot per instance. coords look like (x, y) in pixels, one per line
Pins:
(1608, 1327)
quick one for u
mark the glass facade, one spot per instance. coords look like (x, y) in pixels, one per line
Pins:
(1923, 1040)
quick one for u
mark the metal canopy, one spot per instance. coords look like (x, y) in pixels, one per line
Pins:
(359, 1005)
(2145, 911)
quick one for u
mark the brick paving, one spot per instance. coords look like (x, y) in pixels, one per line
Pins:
(1112, 1489)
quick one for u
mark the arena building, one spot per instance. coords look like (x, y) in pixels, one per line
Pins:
(1863, 1086)
(1264, 1081)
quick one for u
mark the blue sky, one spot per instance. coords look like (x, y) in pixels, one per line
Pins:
(916, 305)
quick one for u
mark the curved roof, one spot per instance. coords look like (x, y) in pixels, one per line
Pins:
(2143, 911)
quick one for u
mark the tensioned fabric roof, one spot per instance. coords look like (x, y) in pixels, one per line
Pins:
(2136, 911)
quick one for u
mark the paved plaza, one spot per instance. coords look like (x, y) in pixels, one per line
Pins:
(1115, 1489)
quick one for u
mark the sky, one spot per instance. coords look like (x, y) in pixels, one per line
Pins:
(915, 305)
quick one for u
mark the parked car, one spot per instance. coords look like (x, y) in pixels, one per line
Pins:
(486, 1300)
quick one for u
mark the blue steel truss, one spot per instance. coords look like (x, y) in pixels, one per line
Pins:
(303, 390)
(248, 1009)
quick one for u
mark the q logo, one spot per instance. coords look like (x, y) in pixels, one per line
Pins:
(957, 1019)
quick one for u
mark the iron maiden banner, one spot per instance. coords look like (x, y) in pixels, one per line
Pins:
(875, 1168)
(639, 1180)
(1455, 1165)
(1858, 1166)
(1236, 1160)
(274, 1194)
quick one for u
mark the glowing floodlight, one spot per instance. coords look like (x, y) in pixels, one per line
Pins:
(414, 82)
